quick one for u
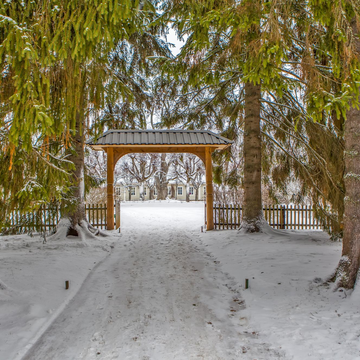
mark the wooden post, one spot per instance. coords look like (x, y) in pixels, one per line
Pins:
(110, 188)
(209, 190)
(117, 212)
(282, 217)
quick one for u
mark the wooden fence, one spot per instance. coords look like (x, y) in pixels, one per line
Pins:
(225, 217)
(278, 217)
(45, 218)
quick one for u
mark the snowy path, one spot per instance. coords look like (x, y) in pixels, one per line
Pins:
(158, 296)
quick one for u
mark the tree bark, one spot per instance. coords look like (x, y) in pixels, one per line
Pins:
(252, 207)
(151, 194)
(74, 220)
(162, 178)
(76, 210)
(348, 267)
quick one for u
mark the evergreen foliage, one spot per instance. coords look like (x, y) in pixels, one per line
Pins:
(220, 57)
(56, 73)
(340, 21)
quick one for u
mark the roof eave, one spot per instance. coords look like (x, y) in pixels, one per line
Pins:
(102, 147)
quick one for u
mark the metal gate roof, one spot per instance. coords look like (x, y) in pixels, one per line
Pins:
(159, 138)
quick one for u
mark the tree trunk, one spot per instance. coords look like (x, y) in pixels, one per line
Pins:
(141, 189)
(158, 187)
(162, 178)
(74, 221)
(75, 211)
(348, 267)
(150, 193)
(197, 194)
(252, 208)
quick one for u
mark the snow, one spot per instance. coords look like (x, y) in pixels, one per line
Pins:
(161, 289)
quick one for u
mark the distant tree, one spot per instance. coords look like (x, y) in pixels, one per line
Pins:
(161, 175)
(189, 169)
(139, 167)
(198, 179)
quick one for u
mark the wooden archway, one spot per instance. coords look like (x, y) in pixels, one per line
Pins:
(117, 143)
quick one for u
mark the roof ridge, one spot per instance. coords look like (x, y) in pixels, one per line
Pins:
(162, 130)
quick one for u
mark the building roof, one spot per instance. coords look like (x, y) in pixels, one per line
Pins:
(159, 138)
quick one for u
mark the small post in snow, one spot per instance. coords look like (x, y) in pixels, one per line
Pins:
(246, 283)
(67, 284)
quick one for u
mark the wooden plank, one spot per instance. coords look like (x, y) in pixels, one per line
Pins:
(223, 215)
(97, 215)
(230, 216)
(265, 213)
(294, 217)
(227, 217)
(216, 216)
(282, 217)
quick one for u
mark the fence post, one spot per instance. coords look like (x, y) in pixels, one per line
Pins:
(282, 217)
(117, 212)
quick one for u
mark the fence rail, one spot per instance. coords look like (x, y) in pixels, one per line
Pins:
(228, 216)
(45, 218)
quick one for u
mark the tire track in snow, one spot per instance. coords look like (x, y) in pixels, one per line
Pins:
(157, 296)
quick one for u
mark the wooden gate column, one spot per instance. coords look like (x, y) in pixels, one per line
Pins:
(209, 190)
(110, 188)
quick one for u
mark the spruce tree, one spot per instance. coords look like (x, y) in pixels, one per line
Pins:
(56, 55)
(235, 55)
(340, 19)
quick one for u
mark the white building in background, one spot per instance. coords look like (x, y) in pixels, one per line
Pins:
(176, 191)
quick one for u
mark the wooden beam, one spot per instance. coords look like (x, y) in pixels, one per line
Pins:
(119, 153)
(110, 188)
(209, 190)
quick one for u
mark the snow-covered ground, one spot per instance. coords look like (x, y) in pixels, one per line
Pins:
(163, 290)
